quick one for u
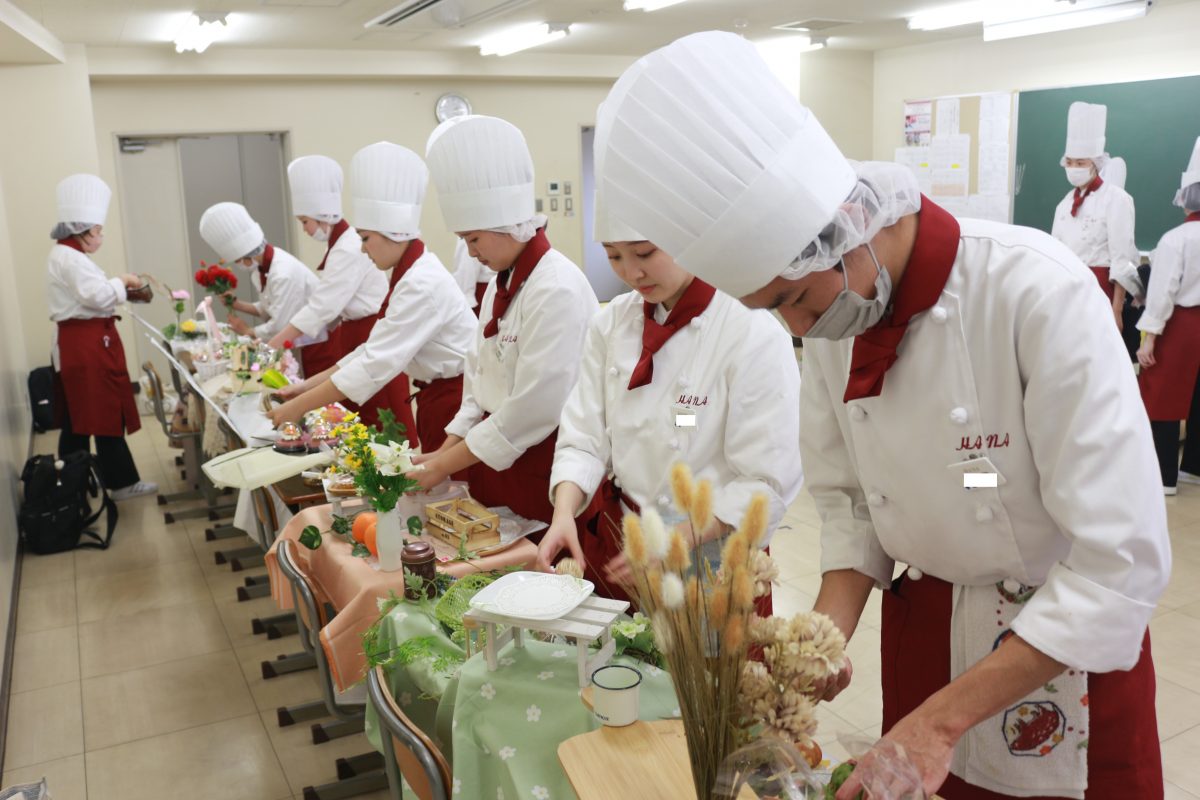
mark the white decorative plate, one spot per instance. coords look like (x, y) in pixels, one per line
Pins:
(532, 595)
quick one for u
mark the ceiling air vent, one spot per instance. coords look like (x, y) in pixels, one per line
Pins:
(446, 13)
(810, 25)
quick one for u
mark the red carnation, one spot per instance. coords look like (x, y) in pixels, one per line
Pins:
(288, 344)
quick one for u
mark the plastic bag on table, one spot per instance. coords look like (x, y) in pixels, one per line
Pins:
(26, 791)
(889, 773)
(770, 768)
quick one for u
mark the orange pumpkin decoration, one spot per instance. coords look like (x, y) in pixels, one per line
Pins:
(812, 753)
(361, 522)
(369, 539)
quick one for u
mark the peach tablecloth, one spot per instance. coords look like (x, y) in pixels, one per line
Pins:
(353, 587)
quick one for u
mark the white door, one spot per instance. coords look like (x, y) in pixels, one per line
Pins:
(604, 281)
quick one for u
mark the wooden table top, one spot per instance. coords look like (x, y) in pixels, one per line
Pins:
(294, 491)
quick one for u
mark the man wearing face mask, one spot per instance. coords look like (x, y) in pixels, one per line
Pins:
(951, 354)
(1096, 218)
(284, 283)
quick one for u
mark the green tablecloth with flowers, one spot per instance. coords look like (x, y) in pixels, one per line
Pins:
(499, 730)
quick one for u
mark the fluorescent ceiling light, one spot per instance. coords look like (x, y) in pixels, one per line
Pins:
(935, 19)
(1076, 16)
(524, 37)
(650, 5)
(201, 30)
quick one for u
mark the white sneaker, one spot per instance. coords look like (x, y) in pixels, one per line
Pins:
(1187, 477)
(1170, 491)
(135, 490)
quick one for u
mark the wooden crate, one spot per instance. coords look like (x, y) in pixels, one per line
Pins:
(463, 521)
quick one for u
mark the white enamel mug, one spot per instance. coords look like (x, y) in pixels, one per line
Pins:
(615, 695)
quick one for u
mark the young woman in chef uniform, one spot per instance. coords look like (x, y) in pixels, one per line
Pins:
(93, 387)
(1095, 220)
(471, 276)
(1170, 351)
(284, 283)
(525, 356)
(350, 289)
(427, 327)
(938, 353)
(670, 373)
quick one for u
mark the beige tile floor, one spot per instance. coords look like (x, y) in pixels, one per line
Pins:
(137, 676)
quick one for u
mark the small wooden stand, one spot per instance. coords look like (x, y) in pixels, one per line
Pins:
(464, 521)
(590, 620)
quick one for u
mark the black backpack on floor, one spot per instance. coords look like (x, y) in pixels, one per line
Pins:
(41, 399)
(57, 512)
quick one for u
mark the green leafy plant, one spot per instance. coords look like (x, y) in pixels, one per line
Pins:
(635, 638)
(340, 527)
(378, 458)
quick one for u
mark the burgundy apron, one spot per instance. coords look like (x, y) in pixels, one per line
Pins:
(1123, 753)
(1106, 286)
(95, 378)
(1167, 386)
(524, 487)
(438, 402)
(316, 358)
(480, 291)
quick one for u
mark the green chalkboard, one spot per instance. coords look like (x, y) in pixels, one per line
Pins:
(1151, 124)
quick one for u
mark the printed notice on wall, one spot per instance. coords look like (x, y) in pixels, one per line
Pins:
(917, 159)
(948, 113)
(918, 122)
(950, 161)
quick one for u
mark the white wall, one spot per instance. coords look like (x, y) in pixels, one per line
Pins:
(1163, 44)
(837, 86)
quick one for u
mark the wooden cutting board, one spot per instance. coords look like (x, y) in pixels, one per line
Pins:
(645, 759)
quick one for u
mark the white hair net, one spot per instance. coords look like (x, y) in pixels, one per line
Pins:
(1100, 161)
(256, 252)
(523, 231)
(1188, 198)
(885, 192)
(332, 219)
(399, 237)
(64, 229)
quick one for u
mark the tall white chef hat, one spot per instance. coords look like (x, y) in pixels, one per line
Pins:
(710, 157)
(83, 198)
(387, 188)
(1115, 171)
(229, 229)
(316, 185)
(606, 227)
(1190, 176)
(1085, 131)
(483, 173)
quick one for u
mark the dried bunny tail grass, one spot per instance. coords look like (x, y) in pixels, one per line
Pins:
(662, 632)
(672, 591)
(635, 542)
(654, 578)
(569, 566)
(693, 596)
(677, 554)
(702, 507)
(734, 637)
(718, 605)
(682, 486)
(754, 523)
(655, 534)
(742, 590)
(733, 554)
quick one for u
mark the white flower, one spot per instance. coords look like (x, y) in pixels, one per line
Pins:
(506, 753)
(533, 714)
(545, 676)
(392, 458)
(507, 662)
(541, 793)
(655, 534)
(672, 590)
(457, 786)
(405, 698)
(487, 691)
(559, 654)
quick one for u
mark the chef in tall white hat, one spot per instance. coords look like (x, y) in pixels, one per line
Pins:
(92, 379)
(939, 355)
(1096, 218)
(426, 328)
(284, 283)
(471, 276)
(346, 303)
(673, 371)
(526, 352)
(1170, 351)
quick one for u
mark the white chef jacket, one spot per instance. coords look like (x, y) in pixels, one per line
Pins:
(733, 368)
(289, 285)
(78, 289)
(523, 374)
(1101, 234)
(1015, 363)
(350, 287)
(468, 272)
(426, 332)
(1174, 277)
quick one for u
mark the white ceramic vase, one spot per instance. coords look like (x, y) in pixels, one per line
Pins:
(389, 540)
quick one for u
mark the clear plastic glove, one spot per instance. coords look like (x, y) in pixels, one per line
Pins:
(771, 768)
(884, 771)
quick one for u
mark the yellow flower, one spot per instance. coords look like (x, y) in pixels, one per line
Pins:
(188, 326)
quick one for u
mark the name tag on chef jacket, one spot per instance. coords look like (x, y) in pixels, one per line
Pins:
(977, 473)
(683, 417)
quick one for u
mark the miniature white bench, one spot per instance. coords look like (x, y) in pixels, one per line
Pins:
(590, 620)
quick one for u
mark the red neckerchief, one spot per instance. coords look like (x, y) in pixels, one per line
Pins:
(265, 267)
(415, 249)
(1082, 194)
(509, 282)
(335, 233)
(929, 266)
(72, 243)
(691, 304)
(1193, 217)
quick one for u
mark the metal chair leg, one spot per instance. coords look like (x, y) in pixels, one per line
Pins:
(222, 532)
(185, 513)
(242, 563)
(352, 787)
(358, 765)
(285, 665)
(260, 624)
(281, 629)
(304, 712)
(179, 497)
(327, 731)
(253, 592)
(222, 556)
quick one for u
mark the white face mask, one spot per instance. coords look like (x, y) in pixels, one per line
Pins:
(850, 313)
(253, 265)
(321, 234)
(1079, 176)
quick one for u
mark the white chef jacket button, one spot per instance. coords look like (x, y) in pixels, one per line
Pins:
(697, 322)
(858, 413)
(674, 445)
(939, 314)
(983, 514)
(616, 482)
(1012, 585)
(876, 499)
(960, 415)
(683, 382)
(915, 574)
(612, 371)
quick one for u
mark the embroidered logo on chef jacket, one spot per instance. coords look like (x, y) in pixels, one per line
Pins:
(508, 338)
(990, 442)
